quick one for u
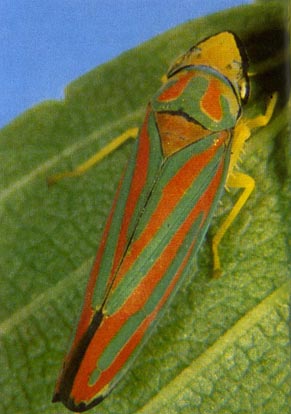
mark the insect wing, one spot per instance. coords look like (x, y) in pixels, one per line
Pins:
(159, 218)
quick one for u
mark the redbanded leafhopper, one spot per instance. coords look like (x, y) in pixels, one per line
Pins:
(183, 157)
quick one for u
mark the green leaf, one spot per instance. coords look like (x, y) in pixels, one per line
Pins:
(223, 346)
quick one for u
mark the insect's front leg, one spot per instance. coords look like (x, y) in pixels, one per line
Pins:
(82, 168)
(239, 180)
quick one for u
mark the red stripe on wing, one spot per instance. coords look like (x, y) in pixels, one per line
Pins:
(172, 194)
(138, 182)
(136, 188)
(87, 310)
(112, 324)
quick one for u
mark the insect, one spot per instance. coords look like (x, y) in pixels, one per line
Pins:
(185, 155)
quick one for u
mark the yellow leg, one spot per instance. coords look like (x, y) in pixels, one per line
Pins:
(238, 180)
(82, 168)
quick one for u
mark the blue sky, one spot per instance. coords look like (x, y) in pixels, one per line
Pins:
(47, 44)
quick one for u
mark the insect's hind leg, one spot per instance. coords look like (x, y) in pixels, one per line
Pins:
(82, 168)
(239, 180)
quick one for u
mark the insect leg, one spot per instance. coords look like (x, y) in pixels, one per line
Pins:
(239, 180)
(82, 168)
